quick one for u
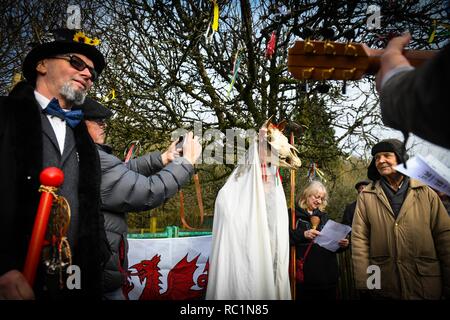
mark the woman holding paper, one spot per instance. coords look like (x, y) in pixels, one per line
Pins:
(320, 269)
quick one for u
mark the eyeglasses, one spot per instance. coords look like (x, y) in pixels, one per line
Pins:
(100, 122)
(79, 64)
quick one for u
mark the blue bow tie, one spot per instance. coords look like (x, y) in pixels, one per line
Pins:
(72, 118)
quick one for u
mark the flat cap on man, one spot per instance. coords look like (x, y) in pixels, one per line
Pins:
(94, 110)
(387, 145)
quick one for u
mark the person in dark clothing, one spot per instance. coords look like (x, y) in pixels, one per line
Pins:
(320, 265)
(349, 211)
(445, 200)
(415, 100)
(39, 130)
(140, 184)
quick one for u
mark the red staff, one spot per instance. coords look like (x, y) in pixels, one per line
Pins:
(51, 178)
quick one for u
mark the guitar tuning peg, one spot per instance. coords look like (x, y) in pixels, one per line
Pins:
(306, 34)
(327, 33)
(349, 73)
(327, 73)
(307, 73)
(349, 34)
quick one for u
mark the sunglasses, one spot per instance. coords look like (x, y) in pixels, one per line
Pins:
(101, 123)
(79, 64)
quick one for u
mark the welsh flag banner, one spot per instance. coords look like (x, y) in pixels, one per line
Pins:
(168, 269)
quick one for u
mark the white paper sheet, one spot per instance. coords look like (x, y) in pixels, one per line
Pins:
(331, 234)
(428, 170)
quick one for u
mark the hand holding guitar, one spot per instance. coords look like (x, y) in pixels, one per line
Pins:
(329, 60)
(393, 57)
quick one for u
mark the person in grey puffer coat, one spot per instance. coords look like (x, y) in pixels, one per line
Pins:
(140, 184)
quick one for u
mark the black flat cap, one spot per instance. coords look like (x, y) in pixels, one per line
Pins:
(387, 145)
(94, 110)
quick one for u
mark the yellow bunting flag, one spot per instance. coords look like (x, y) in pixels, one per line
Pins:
(215, 25)
(111, 96)
(433, 33)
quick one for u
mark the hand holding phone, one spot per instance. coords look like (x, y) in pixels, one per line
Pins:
(179, 145)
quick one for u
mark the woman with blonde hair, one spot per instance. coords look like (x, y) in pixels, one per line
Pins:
(320, 270)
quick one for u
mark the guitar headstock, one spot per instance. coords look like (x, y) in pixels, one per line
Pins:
(328, 60)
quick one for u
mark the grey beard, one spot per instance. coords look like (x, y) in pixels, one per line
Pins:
(72, 96)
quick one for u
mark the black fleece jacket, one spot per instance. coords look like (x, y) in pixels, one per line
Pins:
(320, 267)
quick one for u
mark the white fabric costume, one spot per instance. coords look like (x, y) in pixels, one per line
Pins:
(250, 245)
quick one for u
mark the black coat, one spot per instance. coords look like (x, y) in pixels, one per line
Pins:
(349, 212)
(20, 165)
(417, 101)
(320, 267)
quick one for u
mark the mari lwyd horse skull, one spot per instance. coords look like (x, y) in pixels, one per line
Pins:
(282, 152)
(251, 209)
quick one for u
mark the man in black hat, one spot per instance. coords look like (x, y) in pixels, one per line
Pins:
(402, 229)
(140, 184)
(38, 129)
(349, 211)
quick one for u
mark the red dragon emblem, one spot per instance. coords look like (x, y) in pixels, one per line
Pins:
(179, 280)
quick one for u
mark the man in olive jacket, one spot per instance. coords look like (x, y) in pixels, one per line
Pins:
(401, 226)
